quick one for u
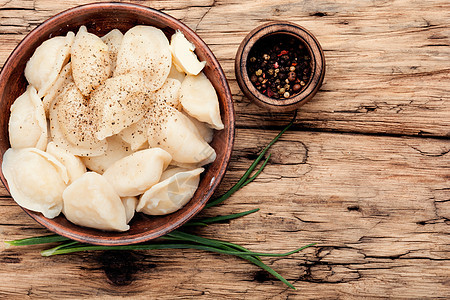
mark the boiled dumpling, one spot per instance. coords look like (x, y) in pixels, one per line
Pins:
(36, 180)
(92, 202)
(169, 93)
(113, 39)
(116, 150)
(183, 54)
(130, 204)
(118, 103)
(74, 165)
(172, 131)
(199, 99)
(91, 64)
(71, 124)
(175, 74)
(27, 123)
(134, 174)
(205, 131)
(172, 193)
(145, 51)
(63, 80)
(44, 66)
(136, 134)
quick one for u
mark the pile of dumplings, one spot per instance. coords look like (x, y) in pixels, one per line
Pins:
(111, 125)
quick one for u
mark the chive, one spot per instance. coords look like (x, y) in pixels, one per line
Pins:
(86, 247)
(193, 223)
(38, 240)
(249, 256)
(218, 243)
(62, 246)
(223, 218)
(270, 270)
(258, 172)
(194, 238)
(182, 236)
(243, 181)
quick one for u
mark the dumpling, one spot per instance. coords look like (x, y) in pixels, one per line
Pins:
(172, 131)
(175, 74)
(44, 66)
(90, 61)
(145, 51)
(136, 135)
(183, 54)
(199, 99)
(118, 103)
(63, 80)
(116, 150)
(74, 165)
(27, 123)
(169, 93)
(171, 194)
(113, 40)
(130, 204)
(71, 124)
(205, 131)
(36, 180)
(92, 202)
(136, 173)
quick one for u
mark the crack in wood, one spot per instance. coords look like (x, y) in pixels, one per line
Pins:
(204, 15)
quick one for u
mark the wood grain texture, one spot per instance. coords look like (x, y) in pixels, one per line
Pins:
(365, 171)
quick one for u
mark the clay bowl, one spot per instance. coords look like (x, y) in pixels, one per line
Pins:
(267, 34)
(101, 18)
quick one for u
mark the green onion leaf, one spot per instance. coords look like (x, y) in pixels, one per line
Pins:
(38, 240)
(242, 181)
(270, 270)
(223, 218)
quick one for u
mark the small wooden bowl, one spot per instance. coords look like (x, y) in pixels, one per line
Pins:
(267, 31)
(100, 18)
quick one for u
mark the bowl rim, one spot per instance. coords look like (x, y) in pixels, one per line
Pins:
(286, 28)
(230, 129)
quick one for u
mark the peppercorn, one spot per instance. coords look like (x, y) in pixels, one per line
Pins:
(278, 65)
(292, 76)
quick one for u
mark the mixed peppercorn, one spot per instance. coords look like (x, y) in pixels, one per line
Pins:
(279, 66)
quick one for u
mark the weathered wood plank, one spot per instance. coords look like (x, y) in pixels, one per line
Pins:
(377, 206)
(377, 203)
(387, 61)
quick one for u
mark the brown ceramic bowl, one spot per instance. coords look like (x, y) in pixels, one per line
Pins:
(100, 19)
(270, 32)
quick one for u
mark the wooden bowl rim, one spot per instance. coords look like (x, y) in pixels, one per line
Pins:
(99, 239)
(286, 28)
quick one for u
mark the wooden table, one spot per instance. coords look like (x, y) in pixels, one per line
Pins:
(365, 172)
